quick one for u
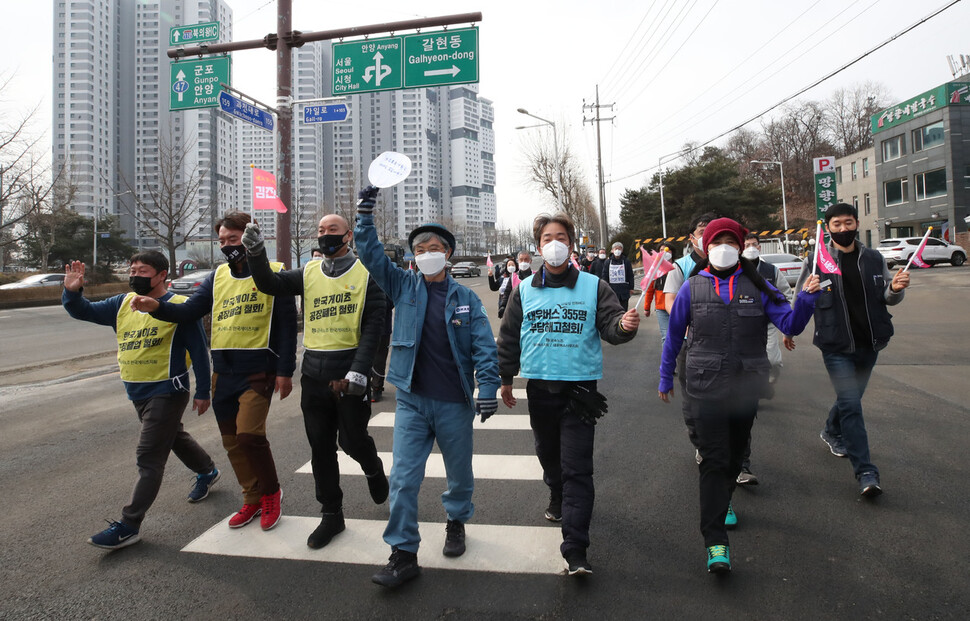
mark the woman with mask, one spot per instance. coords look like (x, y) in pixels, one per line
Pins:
(726, 304)
(551, 336)
(655, 295)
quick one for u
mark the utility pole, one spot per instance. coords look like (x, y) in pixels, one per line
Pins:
(604, 227)
(282, 41)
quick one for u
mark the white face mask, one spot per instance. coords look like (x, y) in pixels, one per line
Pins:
(430, 263)
(668, 256)
(555, 253)
(750, 253)
(617, 252)
(722, 257)
(602, 255)
(699, 243)
(524, 265)
(510, 268)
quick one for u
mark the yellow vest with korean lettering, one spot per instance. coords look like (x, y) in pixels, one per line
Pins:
(241, 314)
(144, 343)
(333, 307)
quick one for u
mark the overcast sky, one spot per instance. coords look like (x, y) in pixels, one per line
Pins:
(677, 70)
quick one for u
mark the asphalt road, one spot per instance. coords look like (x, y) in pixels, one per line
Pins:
(807, 547)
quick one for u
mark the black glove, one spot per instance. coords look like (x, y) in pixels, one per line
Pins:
(586, 403)
(252, 239)
(366, 199)
(486, 407)
(501, 312)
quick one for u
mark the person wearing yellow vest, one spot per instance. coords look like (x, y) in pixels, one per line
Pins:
(343, 320)
(253, 355)
(153, 362)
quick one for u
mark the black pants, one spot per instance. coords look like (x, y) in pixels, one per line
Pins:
(684, 397)
(564, 446)
(329, 419)
(723, 428)
(379, 368)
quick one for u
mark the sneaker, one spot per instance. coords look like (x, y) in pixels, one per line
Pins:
(731, 519)
(454, 539)
(401, 567)
(869, 484)
(331, 525)
(376, 395)
(116, 536)
(202, 484)
(554, 512)
(576, 563)
(697, 456)
(718, 559)
(746, 477)
(272, 509)
(377, 484)
(244, 516)
(835, 444)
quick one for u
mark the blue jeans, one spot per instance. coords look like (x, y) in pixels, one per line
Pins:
(849, 374)
(663, 320)
(418, 423)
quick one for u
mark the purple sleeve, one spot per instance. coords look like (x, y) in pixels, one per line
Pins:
(679, 320)
(788, 320)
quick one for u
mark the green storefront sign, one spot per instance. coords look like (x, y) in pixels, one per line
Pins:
(195, 83)
(950, 94)
(825, 191)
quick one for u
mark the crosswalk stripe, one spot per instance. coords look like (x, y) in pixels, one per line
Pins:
(495, 548)
(498, 422)
(508, 467)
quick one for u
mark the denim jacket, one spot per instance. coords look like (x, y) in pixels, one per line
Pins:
(466, 322)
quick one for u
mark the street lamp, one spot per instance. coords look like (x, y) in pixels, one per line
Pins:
(784, 206)
(555, 148)
(660, 162)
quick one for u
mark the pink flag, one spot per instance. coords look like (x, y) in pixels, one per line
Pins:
(410, 267)
(488, 259)
(264, 191)
(825, 261)
(575, 262)
(657, 267)
(917, 258)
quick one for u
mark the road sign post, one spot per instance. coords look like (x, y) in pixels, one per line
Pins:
(246, 111)
(195, 83)
(181, 36)
(329, 113)
(441, 58)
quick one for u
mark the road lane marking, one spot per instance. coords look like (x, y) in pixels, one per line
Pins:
(505, 467)
(491, 547)
(498, 422)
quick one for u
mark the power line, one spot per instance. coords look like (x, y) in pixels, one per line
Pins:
(630, 40)
(809, 87)
(634, 57)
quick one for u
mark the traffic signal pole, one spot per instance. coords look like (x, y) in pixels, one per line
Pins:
(284, 70)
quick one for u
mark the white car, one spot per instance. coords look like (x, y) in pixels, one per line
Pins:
(899, 250)
(37, 280)
(789, 265)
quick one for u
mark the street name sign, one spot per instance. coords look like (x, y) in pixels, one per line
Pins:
(246, 111)
(441, 58)
(195, 83)
(367, 66)
(181, 36)
(330, 113)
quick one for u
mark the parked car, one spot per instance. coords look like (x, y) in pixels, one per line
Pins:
(899, 250)
(186, 285)
(789, 264)
(37, 280)
(466, 268)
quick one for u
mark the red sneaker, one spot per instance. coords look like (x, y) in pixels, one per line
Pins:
(244, 516)
(272, 509)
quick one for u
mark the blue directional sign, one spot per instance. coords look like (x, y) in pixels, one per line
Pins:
(330, 113)
(245, 111)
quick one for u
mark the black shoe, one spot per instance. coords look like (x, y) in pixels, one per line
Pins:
(554, 512)
(401, 567)
(746, 477)
(454, 539)
(377, 484)
(869, 485)
(577, 563)
(330, 526)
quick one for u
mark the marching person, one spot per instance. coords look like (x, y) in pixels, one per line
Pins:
(253, 355)
(551, 336)
(523, 269)
(442, 342)
(618, 272)
(152, 359)
(507, 273)
(589, 258)
(852, 325)
(342, 326)
(727, 305)
(655, 295)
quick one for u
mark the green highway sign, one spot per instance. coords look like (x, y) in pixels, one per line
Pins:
(181, 36)
(441, 58)
(367, 66)
(195, 83)
(412, 61)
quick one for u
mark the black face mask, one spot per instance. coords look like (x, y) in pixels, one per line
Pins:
(843, 238)
(142, 285)
(235, 254)
(331, 244)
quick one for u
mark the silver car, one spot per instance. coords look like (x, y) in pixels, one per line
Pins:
(789, 264)
(37, 280)
(186, 285)
(899, 250)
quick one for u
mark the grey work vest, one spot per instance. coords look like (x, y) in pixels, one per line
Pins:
(726, 342)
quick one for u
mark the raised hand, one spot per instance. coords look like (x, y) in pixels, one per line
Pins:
(366, 199)
(252, 239)
(74, 276)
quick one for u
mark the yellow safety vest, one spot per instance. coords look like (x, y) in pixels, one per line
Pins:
(241, 314)
(333, 307)
(144, 343)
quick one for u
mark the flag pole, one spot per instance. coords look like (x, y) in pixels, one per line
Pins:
(918, 250)
(818, 240)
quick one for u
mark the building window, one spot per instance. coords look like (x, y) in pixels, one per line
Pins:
(928, 136)
(897, 191)
(966, 177)
(855, 172)
(892, 149)
(865, 167)
(855, 203)
(838, 175)
(867, 204)
(931, 184)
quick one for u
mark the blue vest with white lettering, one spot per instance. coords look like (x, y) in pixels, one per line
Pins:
(686, 264)
(559, 340)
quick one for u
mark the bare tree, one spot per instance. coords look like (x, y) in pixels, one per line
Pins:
(848, 121)
(166, 206)
(303, 224)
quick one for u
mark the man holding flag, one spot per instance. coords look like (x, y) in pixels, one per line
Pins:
(852, 325)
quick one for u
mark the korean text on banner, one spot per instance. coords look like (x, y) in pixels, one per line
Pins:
(264, 191)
